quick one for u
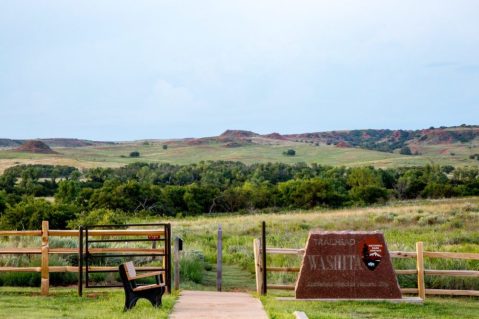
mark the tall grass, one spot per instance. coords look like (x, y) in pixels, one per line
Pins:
(443, 225)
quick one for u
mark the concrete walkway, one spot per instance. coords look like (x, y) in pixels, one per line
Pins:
(217, 305)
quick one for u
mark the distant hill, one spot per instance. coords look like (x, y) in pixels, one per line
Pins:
(35, 147)
(54, 142)
(390, 140)
(384, 140)
(456, 146)
(6, 142)
(237, 134)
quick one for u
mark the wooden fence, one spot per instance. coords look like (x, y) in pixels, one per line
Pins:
(262, 269)
(45, 269)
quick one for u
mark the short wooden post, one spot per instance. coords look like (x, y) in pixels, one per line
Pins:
(80, 262)
(176, 256)
(219, 259)
(263, 259)
(421, 288)
(257, 265)
(167, 258)
(45, 282)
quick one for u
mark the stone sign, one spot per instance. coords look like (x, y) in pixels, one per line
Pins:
(347, 264)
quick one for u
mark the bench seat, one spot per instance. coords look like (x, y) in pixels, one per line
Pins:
(145, 287)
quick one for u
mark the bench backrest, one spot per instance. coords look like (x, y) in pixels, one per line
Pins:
(130, 270)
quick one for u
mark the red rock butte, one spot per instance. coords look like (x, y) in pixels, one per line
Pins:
(35, 147)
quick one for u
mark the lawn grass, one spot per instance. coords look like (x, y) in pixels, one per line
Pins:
(234, 278)
(444, 307)
(19, 303)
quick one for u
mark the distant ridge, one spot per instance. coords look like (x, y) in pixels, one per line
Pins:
(237, 134)
(389, 140)
(6, 142)
(54, 142)
(384, 140)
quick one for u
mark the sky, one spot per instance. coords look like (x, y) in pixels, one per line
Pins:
(126, 70)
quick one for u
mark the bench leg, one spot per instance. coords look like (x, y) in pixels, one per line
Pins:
(130, 302)
(155, 299)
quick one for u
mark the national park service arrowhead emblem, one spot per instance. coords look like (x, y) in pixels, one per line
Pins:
(372, 251)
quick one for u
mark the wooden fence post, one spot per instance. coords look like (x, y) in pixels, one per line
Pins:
(45, 282)
(257, 265)
(421, 288)
(219, 259)
(80, 261)
(263, 260)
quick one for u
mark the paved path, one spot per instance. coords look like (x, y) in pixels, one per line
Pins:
(217, 305)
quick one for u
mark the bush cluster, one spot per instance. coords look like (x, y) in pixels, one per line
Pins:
(106, 195)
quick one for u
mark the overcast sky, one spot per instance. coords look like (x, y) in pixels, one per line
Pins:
(123, 70)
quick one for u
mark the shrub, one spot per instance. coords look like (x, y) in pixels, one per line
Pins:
(98, 217)
(29, 213)
(369, 194)
(437, 190)
(289, 152)
(135, 154)
(165, 147)
(405, 150)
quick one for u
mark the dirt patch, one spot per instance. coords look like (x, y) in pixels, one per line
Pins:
(343, 144)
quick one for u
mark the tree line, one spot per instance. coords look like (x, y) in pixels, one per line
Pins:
(110, 195)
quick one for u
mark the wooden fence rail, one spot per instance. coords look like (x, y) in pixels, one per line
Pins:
(45, 250)
(420, 270)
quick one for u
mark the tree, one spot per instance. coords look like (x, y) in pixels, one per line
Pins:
(135, 154)
(369, 194)
(364, 176)
(410, 184)
(165, 147)
(29, 213)
(68, 191)
(3, 201)
(289, 152)
(199, 199)
(98, 217)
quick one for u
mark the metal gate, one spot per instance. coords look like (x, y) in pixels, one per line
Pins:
(98, 256)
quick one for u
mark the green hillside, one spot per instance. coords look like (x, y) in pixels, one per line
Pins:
(182, 153)
(448, 146)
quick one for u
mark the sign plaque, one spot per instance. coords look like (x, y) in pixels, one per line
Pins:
(347, 265)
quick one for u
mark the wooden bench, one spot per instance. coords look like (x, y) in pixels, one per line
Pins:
(134, 291)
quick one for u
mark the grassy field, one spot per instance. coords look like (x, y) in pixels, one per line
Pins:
(447, 225)
(182, 153)
(443, 225)
(20, 303)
